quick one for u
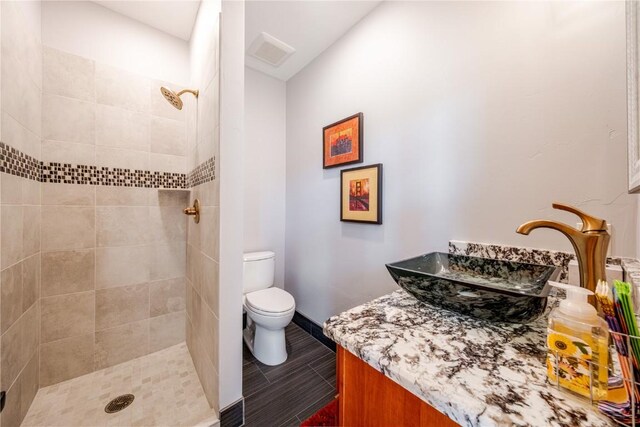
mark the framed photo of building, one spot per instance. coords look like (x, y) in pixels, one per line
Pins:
(342, 142)
(361, 194)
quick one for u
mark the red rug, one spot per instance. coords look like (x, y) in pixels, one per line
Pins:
(327, 416)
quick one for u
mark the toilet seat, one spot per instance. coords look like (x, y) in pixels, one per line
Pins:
(270, 302)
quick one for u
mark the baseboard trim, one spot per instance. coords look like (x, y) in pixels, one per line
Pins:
(233, 415)
(314, 330)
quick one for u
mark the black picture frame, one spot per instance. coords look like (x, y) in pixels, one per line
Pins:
(378, 194)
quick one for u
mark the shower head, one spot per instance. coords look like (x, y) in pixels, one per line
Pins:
(174, 98)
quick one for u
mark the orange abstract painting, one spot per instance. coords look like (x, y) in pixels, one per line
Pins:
(342, 142)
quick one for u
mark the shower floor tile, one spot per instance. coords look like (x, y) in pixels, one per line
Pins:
(165, 384)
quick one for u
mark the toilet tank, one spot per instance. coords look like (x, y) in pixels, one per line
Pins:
(258, 270)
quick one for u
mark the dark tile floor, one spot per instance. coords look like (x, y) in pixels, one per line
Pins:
(287, 394)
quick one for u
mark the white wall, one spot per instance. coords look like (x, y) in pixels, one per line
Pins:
(264, 173)
(482, 113)
(92, 31)
(231, 199)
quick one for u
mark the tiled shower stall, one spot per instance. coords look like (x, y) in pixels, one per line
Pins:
(99, 264)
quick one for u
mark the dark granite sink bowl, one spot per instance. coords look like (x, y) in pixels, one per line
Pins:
(499, 291)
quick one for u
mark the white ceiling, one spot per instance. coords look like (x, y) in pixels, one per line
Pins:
(175, 17)
(308, 26)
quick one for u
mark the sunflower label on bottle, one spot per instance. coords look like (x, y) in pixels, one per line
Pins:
(577, 343)
(570, 358)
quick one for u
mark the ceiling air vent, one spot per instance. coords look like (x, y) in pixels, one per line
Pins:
(270, 50)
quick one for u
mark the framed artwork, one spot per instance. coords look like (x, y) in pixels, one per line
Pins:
(361, 194)
(633, 142)
(342, 142)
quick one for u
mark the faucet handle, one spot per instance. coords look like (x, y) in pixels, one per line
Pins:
(589, 223)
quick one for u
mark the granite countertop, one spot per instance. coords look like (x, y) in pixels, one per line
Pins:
(477, 373)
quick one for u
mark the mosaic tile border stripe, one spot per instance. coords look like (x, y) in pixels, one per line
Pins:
(15, 162)
(64, 173)
(519, 254)
(204, 172)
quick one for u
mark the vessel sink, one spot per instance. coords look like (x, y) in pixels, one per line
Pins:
(495, 290)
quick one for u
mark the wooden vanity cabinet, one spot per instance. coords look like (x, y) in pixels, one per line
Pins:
(367, 398)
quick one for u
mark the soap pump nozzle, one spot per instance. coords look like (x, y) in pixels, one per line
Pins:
(576, 304)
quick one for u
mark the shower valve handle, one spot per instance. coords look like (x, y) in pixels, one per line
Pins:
(194, 211)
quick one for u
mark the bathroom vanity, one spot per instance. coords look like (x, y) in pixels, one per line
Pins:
(401, 362)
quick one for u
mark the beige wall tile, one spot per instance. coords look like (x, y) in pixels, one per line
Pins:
(30, 281)
(10, 356)
(166, 330)
(121, 343)
(13, 410)
(17, 345)
(31, 230)
(168, 136)
(206, 147)
(11, 190)
(167, 163)
(207, 374)
(194, 308)
(125, 304)
(68, 194)
(120, 128)
(122, 196)
(210, 283)
(68, 75)
(122, 226)
(68, 272)
(167, 224)
(189, 337)
(208, 115)
(210, 231)
(122, 89)
(208, 193)
(65, 359)
(166, 296)
(31, 192)
(68, 152)
(11, 230)
(121, 266)
(68, 119)
(193, 233)
(207, 331)
(65, 316)
(21, 39)
(29, 331)
(122, 158)
(162, 197)
(11, 306)
(29, 383)
(19, 137)
(22, 98)
(190, 294)
(167, 261)
(67, 228)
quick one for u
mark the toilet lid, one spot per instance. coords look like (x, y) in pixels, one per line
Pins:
(271, 300)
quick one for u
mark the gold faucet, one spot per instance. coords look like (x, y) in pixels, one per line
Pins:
(590, 243)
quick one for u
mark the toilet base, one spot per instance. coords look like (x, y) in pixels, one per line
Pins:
(268, 346)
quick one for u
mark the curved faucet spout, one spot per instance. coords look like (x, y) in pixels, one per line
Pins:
(568, 231)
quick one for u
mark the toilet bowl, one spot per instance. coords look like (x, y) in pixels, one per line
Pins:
(269, 309)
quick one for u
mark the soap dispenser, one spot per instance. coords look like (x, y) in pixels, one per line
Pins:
(577, 342)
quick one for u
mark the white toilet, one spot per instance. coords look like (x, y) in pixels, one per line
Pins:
(269, 309)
